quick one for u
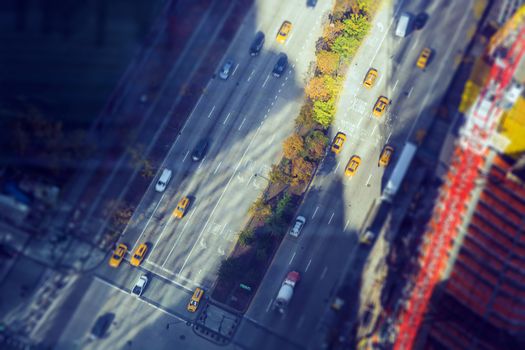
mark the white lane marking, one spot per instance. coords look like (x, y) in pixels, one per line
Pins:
(315, 212)
(251, 74)
(183, 159)
(235, 69)
(266, 80)
(331, 217)
(388, 138)
(269, 305)
(220, 197)
(179, 235)
(308, 265)
(225, 120)
(275, 98)
(265, 116)
(438, 75)
(242, 124)
(194, 108)
(373, 130)
(387, 30)
(201, 162)
(346, 225)
(410, 91)
(395, 85)
(324, 272)
(211, 112)
(359, 123)
(368, 181)
(218, 166)
(271, 140)
(293, 256)
(147, 223)
(380, 78)
(337, 166)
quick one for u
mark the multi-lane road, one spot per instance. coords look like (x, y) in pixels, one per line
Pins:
(337, 206)
(245, 119)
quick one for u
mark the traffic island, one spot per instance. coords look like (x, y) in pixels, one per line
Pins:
(216, 324)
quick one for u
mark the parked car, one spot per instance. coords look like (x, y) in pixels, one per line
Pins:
(367, 237)
(298, 226)
(140, 285)
(226, 69)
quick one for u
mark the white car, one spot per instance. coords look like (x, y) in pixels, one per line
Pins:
(298, 226)
(140, 285)
(164, 178)
(226, 70)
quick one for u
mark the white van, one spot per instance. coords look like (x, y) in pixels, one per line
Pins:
(163, 180)
(403, 24)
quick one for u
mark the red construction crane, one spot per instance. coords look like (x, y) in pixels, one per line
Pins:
(468, 158)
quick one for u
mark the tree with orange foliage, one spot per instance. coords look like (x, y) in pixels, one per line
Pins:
(293, 146)
(327, 62)
(302, 170)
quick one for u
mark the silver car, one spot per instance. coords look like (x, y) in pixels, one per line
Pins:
(226, 70)
(298, 226)
(140, 285)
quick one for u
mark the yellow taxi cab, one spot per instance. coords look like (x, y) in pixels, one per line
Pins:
(118, 255)
(139, 254)
(384, 159)
(195, 299)
(180, 210)
(423, 58)
(353, 164)
(339, 140)
(370, 78)
(380, 106)
(285, 29)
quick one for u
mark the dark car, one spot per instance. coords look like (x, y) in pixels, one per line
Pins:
(257, 44)
(101, 325)
(280, 66)
(420, 20)
(200, 150)
(311, 3)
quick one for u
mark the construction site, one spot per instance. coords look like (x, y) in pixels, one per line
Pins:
(460, 251)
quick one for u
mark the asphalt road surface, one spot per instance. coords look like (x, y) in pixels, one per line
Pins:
(245, 119)
(337, 206)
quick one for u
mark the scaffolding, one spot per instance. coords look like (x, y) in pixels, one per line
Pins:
(462, 178)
